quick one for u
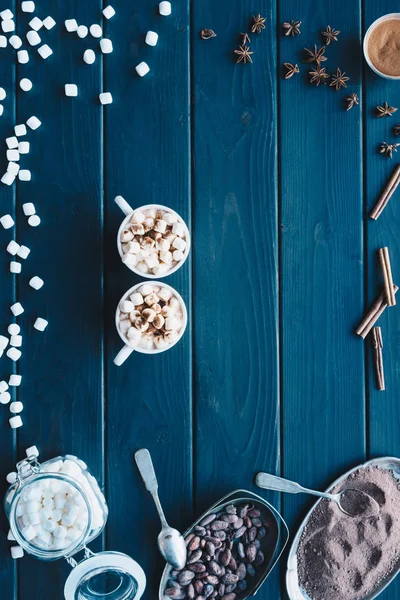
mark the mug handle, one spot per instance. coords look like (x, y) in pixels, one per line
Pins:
(122, 355)
(124, 206)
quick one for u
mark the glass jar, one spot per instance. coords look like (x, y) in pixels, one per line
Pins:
(55, 509)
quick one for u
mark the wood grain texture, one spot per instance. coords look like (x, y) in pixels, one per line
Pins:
(147, 160)
(236, 255)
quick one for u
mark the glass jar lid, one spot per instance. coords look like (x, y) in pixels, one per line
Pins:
(106, 576)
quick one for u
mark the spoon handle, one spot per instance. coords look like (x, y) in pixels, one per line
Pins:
(146, 470)
(272, 482)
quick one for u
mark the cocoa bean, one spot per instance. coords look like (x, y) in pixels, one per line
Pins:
(240, 549)
(242, 586)
(257, 544)
(194, 543)
(231, 596)
(200, 598)
(243, 511)
(207, 520)
(201, 530)
(185, 577)
(230, 588)
(259, 558)
(198, 586)
(202, 575)
(229, 518)
(238, 523)
(240, 532)
(218, 525)
(191, 594)
(175, 593)
(252, 534)
(210, 548)
(221, 535)
(189, 538)
(257, 522)
(250, 570)
(221, 589)
(197, 567)
(241, 571)
(194, 557)
(251, 552)
(231, 509)
(247, 522)
(261, 533)
(232, 564)
(226, 557)
(213, 579)
(208, 590)
(254, 512)
(203, 543)
(214, 568)
(230, 578)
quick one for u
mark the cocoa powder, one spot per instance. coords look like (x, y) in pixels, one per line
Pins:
(384, 47)
(346, 558)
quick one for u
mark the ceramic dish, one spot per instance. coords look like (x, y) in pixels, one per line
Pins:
(272, 545)
(292, 580)
(371, 28)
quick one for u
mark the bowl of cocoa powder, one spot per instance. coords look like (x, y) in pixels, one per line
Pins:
(335, 556)
(382, 46)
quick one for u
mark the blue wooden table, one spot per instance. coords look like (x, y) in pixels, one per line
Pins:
(275, 179)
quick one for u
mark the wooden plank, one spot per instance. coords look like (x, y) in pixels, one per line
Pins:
(147, 160)
(236, 258)
(384, 406)
(62, 368)
(322, 256)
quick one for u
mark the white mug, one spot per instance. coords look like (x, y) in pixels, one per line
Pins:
(128, 212)
(128, 348)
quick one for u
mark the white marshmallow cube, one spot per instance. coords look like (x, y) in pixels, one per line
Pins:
(12, 155)
(23, 57)
(151, 38)
(165, 8)
(15, 41)
(5, 397)
(137, 299)
(71, 25)
(134, 335)
(33, 122)
(40, 324)
(29, 533)
(15, 380)
(96, 31)
(142, 69)
(16, 407)
(8, 26)
(8, 178)
(49, 525)
(36, 282)
(28, 209)
(17, 309)
(3, 346)
(49, 22)
(14, 329)
(15, 422)
(45, 51)
(12, 142)
(71, 89)
(36, 23)
(105, 98)
(16, 341)
(12, 248)
(10, 536)
(3, 41)
(12, 477)
(6, 15)
(13, 168)
(3, 94)
(20, 130)
(82, 31)
(16, 552)
(25, 84)
(33, 38)
(89, 56)
(106, 46)
(3, 386)
(60, 532)
(24, 175)
(23, 251)
(28, 7)
(34, 221)
(129, 259)
(24, 147)
(126, 306)
(108, 12)
(14, 354)
(15, 267)
(7, 221)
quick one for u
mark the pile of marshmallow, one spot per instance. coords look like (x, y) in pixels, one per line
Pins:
(52, 514)
(154, 241)
(151, 317)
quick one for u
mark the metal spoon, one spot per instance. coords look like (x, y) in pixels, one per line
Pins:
(352, 502)
(170, 542)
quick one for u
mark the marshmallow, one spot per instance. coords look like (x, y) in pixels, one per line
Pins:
(7, 221)
(71, 25)
(23, 57)
(3, 345)
(177, 255)
(82, 31)
(49, 525)
(15, 267)
(133, 335)
(13, 168)
(132, 247)
(136, 299)
(1, 109)
(12, 155)
(36, 282)
(15, 41)
(152, 261)
(8, 178)
(40, 324)
(105, 98)
(45, 51)
(12, 248)
(17, 309)
(151, 38)
(6, 15)
(24, 147)
(126, 306)
(60, 532)
(12, 477)
(36, 23)
(23, 251)
(8, 26)
(32, 451)
(3, 386)
(16, 552)
(12, 142)
(89, 57)
(28, 533)
(49, 22)
(29, 209)
(15, 422)
(142, 69)
(28, 7)
(15, 380)
(96, 31)
(33, 122)
(33, 38)
(179, 244)
(5, 397)
(108, 12)
(106, 46)
(34, 221)
(16, 407)
(165, 8)
(20, 130)
(142, 267)
(24, 175)
(14, 329)
(129, 259)
(16, 341)
(25, 84)
(10, 536)
(71, 89)
(146, 289)
(178, 229)
(3, 41)
(14, 354)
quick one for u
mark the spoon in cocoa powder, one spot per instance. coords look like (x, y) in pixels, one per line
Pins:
(351, 502)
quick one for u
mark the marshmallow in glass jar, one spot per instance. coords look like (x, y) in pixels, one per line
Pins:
(153, 240)
(55, 509)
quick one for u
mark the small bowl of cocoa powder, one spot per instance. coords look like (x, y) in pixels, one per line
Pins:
(382, 44)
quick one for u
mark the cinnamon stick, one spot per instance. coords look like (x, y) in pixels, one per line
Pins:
(373, 314)
(378, 357)
(387, 275)
(386, 194)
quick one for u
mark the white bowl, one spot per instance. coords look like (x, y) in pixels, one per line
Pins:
(388, 17)
(129, 347)
(187, 240)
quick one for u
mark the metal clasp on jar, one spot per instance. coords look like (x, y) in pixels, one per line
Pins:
(26, 468)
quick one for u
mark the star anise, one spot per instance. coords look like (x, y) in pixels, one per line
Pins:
(244, 54)
(245, 38)
(385, 110)
(339, 80)
(388, 149)
(292, 28)
(330, 35)
(318, 76)
(351, 101)
(290, 70)
(258, 24)
(315, 55)
(396, 129)
(207, 34)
